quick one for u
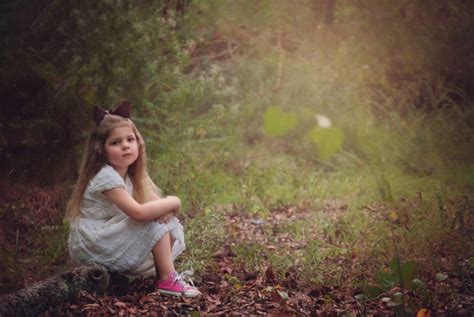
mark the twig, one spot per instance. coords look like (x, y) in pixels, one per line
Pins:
(369, 208)
(232, 308)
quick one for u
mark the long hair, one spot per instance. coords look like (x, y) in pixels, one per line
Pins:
(95, 157)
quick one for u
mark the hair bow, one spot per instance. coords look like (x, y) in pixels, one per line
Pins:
(122, 109)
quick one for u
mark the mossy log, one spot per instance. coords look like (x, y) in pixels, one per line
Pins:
(57, 289)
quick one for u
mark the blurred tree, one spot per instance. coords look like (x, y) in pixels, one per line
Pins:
(324, 11)
(418, 43)
(177, 6)
(61, 58)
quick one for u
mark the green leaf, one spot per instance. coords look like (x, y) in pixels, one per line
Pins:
(195, 313)
(392, 304)
(394, 267)
(278, 123)
(372, 291)
(329, 141)
(441, 277)
(406, 272)
(283, 294)
(360, 297)
(398, 297)
(417, 283)
(386, 280)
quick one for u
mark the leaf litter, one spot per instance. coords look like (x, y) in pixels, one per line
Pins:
(231, 286)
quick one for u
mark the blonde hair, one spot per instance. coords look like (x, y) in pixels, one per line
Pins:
(95, 158)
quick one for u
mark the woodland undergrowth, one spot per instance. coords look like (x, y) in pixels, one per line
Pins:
(295, 154)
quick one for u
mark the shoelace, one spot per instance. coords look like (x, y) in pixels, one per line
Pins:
(183, 277)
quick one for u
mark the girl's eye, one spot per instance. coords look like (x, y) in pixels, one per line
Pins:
(114, 142)
(131, 139)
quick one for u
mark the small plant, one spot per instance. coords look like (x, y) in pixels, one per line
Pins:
(251, 253)
(393, 283)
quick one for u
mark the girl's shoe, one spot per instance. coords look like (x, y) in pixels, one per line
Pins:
(175, 285)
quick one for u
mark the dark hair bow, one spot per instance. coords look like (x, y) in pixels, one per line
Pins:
(122, 109)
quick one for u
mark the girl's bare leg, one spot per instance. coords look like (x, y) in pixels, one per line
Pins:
(162, 256)
(171, 242)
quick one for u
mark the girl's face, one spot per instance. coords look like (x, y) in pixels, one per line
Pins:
(122, 149)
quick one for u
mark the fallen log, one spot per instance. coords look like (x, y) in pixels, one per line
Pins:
(57, 289)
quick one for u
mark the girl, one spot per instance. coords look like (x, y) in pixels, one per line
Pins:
(117, 217)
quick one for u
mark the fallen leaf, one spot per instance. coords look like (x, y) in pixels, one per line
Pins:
(120, 304)
(269, 274)
(423, 313)
(90, 306)
(393, 215)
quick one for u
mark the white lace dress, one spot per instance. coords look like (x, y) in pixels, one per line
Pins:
(105, 235)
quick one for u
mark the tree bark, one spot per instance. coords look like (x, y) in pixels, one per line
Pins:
(324, 11)
(60, 288)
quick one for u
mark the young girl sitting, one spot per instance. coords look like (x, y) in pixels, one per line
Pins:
(117, 217)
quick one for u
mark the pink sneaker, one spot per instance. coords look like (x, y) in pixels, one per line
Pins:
(175, 285)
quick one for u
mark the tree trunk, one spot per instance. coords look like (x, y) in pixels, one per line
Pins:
(324, 11)
(60, 288)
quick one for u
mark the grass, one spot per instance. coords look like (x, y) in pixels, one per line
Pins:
(343, 229)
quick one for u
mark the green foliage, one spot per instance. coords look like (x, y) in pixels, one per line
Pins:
(393, 282)
(252, 253)
(328, 141)
(312, 254)
(384, 188)
(404, 271)
(79, 55)
(398, 274)
(278, 123)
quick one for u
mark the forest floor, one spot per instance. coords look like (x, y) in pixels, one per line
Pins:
(237, 279)
(230, 288)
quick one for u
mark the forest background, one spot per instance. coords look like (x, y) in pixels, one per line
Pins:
(327, 137)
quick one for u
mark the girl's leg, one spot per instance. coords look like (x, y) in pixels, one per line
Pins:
(162, 256)
(169, 284)
(171, 241)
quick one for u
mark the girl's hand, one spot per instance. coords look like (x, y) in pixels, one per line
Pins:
(177, 211)
(176, 199)
(166, 218)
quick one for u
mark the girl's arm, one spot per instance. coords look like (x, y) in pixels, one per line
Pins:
(167, 217)
(142, 212)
